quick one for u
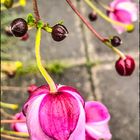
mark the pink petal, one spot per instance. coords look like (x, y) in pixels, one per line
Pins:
(122, 16)
(71, 90)
(58, 115)
(130, 8)
(119, 29)
(38, 91)
(19, 127)
(116, 2)
(79, 132)
(97, 118)
(31, 89)
(33, 123)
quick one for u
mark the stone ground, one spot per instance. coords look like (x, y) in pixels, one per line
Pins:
(119, 94)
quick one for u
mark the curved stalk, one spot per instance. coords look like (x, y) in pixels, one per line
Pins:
(39, 64)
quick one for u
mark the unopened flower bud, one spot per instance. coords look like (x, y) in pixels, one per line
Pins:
(19, 27)
(125, 67)
(116, 41)
(92, 16)
(59, 32)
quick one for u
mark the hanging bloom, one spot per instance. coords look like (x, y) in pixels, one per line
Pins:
(58, 116)
(19, 127)
(123, 11)
(97, 118)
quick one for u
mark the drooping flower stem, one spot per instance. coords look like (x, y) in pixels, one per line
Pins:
(39, 64)
(104, 40)
(126, 26)
(85, 21)
(36, 12)
(115, 50)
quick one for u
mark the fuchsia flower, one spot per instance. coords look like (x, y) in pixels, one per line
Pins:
(97, 118)
(61, 116)
(19, 127)
(124, 11)
(58, 116)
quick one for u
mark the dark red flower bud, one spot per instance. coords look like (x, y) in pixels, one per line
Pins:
(59, 32)
(19, 27)
(25, 37)
(8, 3)
(116, 41)
(125, 67)
(92, 16)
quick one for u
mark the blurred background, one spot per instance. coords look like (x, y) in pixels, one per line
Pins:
(67, 63)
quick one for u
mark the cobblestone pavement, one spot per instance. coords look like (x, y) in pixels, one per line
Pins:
(119, 94)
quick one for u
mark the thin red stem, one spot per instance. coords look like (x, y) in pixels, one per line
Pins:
(36, 12)
(86, 22)
(12, 121)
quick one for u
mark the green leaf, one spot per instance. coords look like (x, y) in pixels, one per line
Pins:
(48, 28)
(40, 24)
(30, 19)
(61, 22)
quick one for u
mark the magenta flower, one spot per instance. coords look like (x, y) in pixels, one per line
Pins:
(58, 116)
(19, 127)
(123, 11)
(97, 118)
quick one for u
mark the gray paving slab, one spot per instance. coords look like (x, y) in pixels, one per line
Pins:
(121, 96)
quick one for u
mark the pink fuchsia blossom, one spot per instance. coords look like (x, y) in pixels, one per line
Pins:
(97, 118)
(59, 116)
(19, 127)
(124, 11)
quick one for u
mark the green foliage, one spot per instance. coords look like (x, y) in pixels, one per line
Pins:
(40, 24)
(26, 70)
(48, 28)
(56, 67)
(30, 20)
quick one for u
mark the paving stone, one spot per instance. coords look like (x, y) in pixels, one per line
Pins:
(76, 77)
(120, 95)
